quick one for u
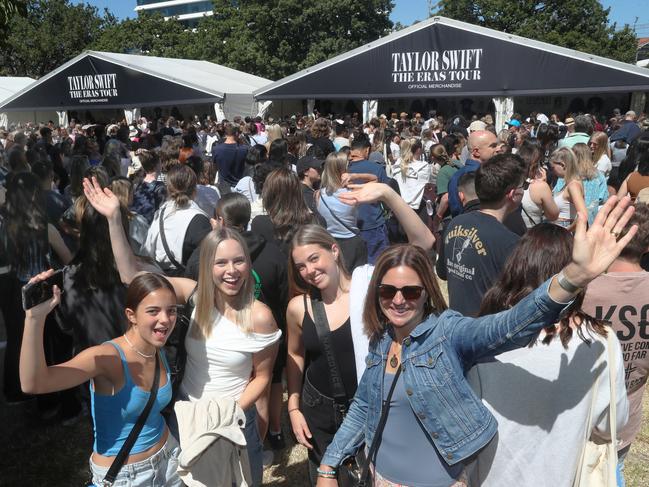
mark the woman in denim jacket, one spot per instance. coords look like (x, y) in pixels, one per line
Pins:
(437, 421)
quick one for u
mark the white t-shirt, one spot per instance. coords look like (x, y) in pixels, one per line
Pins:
(246, 187)
(221, 365)
(540, 397)
(357, 293)
(604, 165)
(418, 175)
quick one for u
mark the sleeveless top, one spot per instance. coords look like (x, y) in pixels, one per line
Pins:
(567, 211)
(221, 364)
(318, 369)
(343, 224)
(636, 183)
(114, 416)
(532, 214)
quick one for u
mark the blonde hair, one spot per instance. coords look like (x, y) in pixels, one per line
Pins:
(206, 296)
(567, 157)
(406, 156)
(273, 132)
(584, 159)
(334, 167)
(601, 139)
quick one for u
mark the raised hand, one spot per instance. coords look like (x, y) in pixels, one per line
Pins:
(364, 193)
(102, 200)
(40, 311)
(595, 249)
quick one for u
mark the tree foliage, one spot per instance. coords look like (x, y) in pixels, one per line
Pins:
(275, 38)
(577, 24)
(49, 33)
(147, 34)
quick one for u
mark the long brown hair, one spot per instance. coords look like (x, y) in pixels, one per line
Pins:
(310, 235)
(400, 255)
(584, 159)
(542, 252)
(283, 201)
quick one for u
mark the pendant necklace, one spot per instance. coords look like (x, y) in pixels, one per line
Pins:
(394, 361)
(136, 350)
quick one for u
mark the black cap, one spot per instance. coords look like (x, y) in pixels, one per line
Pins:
(307, 162)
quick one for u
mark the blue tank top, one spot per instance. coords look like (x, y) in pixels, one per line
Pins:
(114, 416)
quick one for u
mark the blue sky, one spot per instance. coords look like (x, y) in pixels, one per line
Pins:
(407, 11)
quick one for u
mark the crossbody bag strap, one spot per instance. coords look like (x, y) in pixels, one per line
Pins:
(324, 336)
(528, 216)
(177, 264)
(612, 366)
(355, 232)
(376, 441)
(123, 453)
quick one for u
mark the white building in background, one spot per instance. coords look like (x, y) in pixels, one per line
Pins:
(189, 12)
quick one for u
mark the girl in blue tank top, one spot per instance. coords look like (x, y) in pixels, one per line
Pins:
(121, 374)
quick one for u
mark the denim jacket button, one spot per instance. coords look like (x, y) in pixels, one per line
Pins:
(403, 367)
(409, 392)
(407, 341)
(435, 435)
(449, 456)
(430, 361)
(421, 416)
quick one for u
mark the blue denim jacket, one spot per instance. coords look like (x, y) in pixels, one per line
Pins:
(434, 360)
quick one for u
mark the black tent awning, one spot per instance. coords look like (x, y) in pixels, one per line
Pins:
(92, 81)
(442, 57)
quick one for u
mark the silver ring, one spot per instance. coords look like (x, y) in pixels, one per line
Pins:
(615, 234)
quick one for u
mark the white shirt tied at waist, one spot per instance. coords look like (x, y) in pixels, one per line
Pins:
(212, 443)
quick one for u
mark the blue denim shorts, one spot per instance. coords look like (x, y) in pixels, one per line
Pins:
(159, 470)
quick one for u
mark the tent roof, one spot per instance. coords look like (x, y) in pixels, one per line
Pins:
(506, 65)
(10, 85)
(143, 81)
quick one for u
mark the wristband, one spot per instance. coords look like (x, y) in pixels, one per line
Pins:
(566, 285)
(327, 474)
(294, 409)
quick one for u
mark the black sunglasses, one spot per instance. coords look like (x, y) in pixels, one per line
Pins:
(409, 293)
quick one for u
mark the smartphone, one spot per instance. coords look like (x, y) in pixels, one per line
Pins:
(38, 292)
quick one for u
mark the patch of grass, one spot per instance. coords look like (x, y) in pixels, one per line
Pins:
(636, 466)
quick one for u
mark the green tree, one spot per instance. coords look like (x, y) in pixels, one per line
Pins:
(577, 24)
(51, 33)
(274, 38)
(147, 34)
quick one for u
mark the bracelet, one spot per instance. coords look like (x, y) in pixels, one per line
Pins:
(327, 474)
(294, 409)
(566, 285)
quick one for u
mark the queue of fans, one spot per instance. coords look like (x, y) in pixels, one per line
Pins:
(302, 256)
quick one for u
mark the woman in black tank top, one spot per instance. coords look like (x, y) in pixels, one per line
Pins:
(317, 272)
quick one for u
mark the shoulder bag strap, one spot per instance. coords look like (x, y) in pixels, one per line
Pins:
(612, 366)
(177, 264)
(528, 215)
(376, 441)
(117, 464)
(336, 216)
(324, 336)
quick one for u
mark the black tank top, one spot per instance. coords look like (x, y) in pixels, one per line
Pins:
(318, 370)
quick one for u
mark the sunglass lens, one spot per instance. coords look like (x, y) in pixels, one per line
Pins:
(386, 291)
(411, 293)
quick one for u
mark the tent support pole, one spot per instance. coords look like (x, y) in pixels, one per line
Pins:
(370, 109)
(638, 101)
(63, 118)
(310, 106)
(504, 110)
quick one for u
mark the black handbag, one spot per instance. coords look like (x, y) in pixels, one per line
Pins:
(123, 453)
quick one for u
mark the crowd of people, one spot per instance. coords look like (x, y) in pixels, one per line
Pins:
(303, 256)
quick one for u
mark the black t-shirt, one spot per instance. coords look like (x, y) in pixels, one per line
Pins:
(475, 248)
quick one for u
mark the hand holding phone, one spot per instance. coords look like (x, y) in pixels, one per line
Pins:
(41, 289)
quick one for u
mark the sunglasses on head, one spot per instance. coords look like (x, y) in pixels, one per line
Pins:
(409, 293)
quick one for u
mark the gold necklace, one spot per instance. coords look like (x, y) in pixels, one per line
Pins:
(136, 350)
